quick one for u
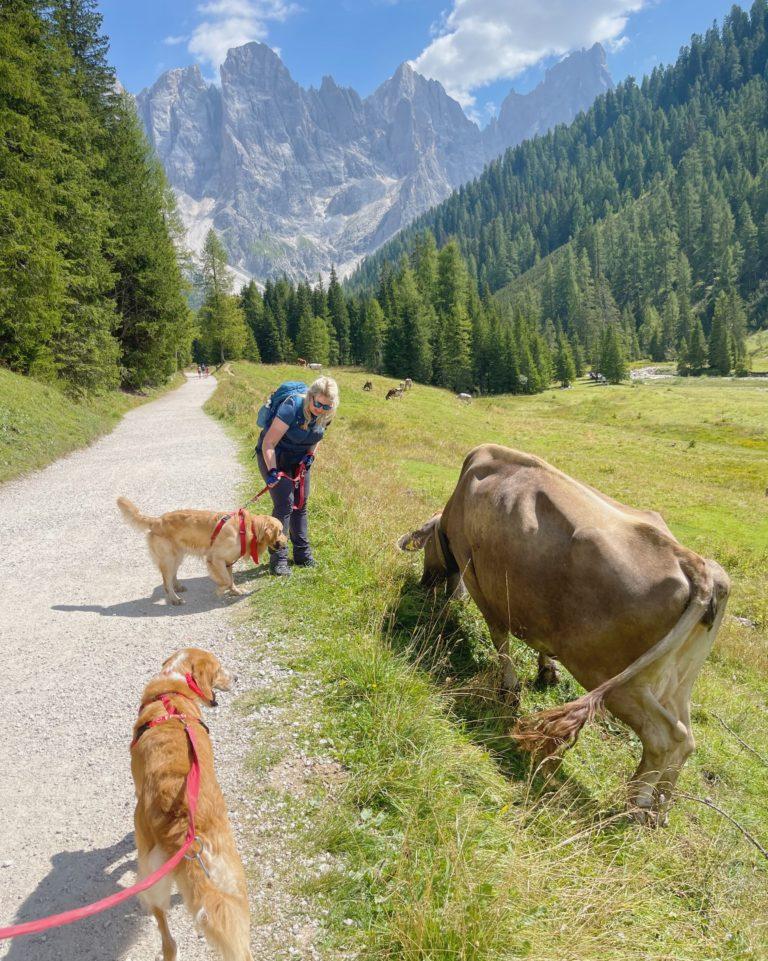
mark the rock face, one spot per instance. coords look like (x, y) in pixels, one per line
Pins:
(294, 180)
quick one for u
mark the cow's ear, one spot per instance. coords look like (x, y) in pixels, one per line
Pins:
(416, 540)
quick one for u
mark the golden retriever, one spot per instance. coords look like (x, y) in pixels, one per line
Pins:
(213, 887)
(178, 533)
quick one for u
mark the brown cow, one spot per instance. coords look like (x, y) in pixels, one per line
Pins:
(394, 392)
(602, 587)
(301, 362)
(368, 385)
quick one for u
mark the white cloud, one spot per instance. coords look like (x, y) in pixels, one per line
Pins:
(481, 41)
(174, 41)
(231, 23)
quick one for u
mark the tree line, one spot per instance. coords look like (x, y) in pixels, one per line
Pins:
(92, 290)
(426, 320)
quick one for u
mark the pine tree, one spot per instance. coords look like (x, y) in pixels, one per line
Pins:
(224, 334)
(337, 311)
(154, 325)
(372, 335)
(32, 264)
(416, 355)
(613, 361)
(452, 310)
(694, 360)
(719, 337)
(313, 340)
(565, 369)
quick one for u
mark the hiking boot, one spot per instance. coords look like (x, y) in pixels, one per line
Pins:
(308, 561)
(280, 568)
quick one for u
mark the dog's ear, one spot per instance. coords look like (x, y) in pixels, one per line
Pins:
(268, 529)
(204, 668)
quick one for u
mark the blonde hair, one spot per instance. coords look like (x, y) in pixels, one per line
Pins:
(330, 389)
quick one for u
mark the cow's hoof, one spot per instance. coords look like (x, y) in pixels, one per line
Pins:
(646, 816)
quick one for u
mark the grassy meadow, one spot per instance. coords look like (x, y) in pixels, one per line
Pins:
(446, 845)
(39, 423)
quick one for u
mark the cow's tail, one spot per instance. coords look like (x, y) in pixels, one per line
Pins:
(549, 732)
(135, 518)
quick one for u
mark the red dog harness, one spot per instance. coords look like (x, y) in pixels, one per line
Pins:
(171, 710)
(243, 536)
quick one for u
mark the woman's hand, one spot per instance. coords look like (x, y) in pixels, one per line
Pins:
(307, 460)
(273, 478)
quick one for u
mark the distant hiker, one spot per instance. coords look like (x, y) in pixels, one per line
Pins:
(293, 422)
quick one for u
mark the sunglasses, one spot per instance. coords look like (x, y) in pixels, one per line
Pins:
(322, 406)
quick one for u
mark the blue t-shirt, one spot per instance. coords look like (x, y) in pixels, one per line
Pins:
(297, 440)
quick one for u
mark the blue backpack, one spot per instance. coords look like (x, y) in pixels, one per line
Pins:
(287, 389)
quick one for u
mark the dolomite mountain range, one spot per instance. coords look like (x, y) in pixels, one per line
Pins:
(294, 180)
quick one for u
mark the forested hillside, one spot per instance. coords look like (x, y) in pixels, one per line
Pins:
(91, 290)
(652, 208)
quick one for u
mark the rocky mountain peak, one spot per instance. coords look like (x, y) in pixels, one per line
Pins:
(568, 87)
(296, 179)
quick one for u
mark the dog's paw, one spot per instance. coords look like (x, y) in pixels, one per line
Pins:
(179, 588)
(176, 601)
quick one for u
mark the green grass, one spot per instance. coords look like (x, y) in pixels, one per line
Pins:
(38, 423)
(448, 846)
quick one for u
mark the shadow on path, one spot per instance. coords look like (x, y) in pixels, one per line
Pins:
(199, 597)
(78, 878)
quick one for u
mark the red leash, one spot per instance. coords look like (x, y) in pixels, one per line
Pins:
(77, 914)
(298, 482)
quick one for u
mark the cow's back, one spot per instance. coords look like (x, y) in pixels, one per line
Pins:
(575, 573)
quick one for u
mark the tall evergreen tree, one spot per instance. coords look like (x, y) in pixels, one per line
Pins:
(224, 335)
(719, 337)
(452, 311)
(565, 369)
(337, 311)
(613, 361)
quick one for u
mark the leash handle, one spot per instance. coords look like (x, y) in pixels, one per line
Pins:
(298, 481)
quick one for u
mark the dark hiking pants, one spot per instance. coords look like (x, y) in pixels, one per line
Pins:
(294, 522)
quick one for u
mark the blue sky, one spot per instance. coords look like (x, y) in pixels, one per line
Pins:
(478, 49)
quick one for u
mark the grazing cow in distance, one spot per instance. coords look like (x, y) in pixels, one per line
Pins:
(301, 362)
(407, 383)
(467, 398)
(394, 392)
(604, 588)
(368, 385)
(315, 366)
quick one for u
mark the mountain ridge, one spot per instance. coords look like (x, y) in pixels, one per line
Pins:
(295, 179)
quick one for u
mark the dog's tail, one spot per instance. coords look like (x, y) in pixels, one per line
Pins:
(135, 518)
(224, 920)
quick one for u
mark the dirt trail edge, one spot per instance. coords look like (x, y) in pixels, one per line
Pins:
(83, 626)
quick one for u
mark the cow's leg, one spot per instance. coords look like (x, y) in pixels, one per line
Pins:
(661, 735)
(509, 689)
(688, 664)
(548, 675)
(455, 588)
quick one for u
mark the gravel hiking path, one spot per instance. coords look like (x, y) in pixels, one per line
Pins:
(83, 626)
